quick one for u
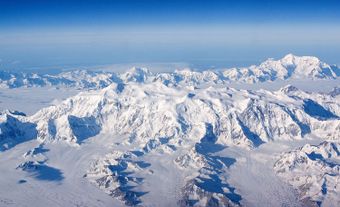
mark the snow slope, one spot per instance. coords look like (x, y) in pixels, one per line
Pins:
(314, 170)
(14, 129)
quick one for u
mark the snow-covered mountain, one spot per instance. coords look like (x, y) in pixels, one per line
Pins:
(14, 129)
(335, 91)
(79, 79)
(289, 67)
(240, 117)
(314, 171)
(142, 143)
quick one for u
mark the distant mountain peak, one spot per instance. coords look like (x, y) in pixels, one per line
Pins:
(289, 88)
(137, 74)
(289, 57)
(139, 70)
(335, 91)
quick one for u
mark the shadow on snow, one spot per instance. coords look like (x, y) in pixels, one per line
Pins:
(213, 183)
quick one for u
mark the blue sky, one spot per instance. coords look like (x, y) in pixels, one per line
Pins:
(42, 34)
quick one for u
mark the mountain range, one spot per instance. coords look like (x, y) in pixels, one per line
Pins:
(143, 130)
(289, 67)
(175, 139)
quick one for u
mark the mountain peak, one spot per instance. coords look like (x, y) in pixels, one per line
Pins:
(335, 91)
(289, 88)
(137, 74)
(289, 56)
(139, 70)
(294, 59)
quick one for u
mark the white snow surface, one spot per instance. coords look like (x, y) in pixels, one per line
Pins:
(31, 100)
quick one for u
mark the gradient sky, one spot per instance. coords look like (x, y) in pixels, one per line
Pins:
(46, 34)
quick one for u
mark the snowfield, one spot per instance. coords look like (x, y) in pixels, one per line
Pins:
(178, 139)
